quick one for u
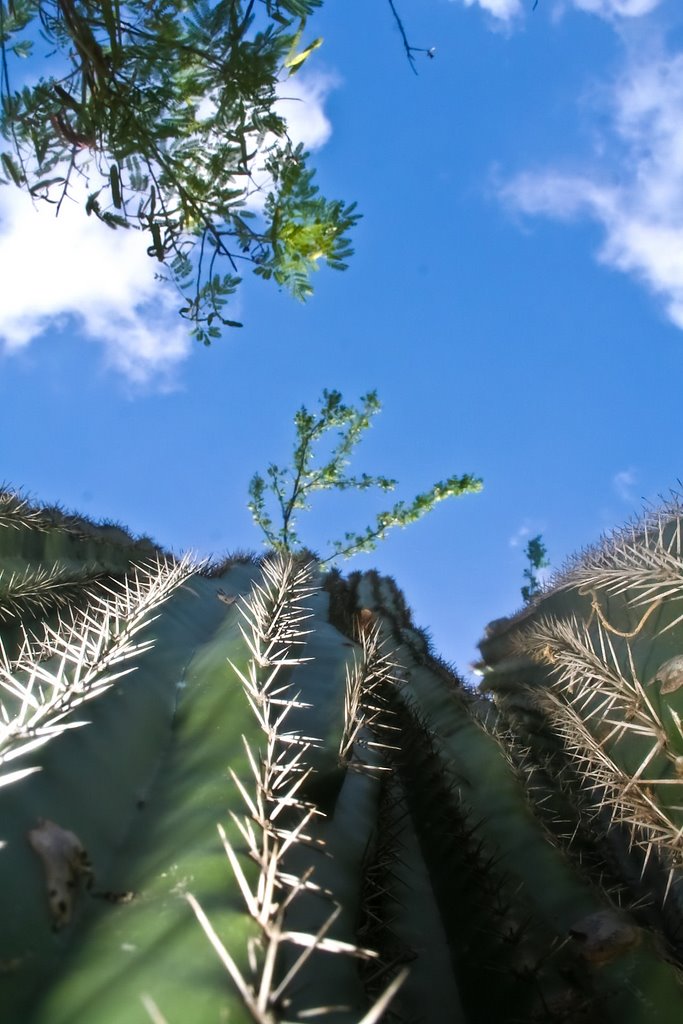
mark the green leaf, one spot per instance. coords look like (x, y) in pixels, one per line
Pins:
(115, 182)
(92, 204)
(23, 48)
(157, 248)
(46, 183)
(12, 169)
(296, 62)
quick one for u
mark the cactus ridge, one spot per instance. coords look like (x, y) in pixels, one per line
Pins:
(273, 616)
(647, 550)
(589, 678)
(368, 719)
(580, 815)
(412, 932)
(563, 922)
(459, 863)
(33, 592)
(551, 970)
(492, 931)
(619, 737)
(218, 567)
(79, 660)
(17, 512)
(612, 789)
(578, 829)
(379, 897)
(22, 522)
(591, 838)
(279, 820)
(145, 809)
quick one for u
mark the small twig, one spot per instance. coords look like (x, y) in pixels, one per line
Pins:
(410, 50)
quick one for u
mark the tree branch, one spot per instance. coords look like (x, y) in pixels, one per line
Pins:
(410, 50)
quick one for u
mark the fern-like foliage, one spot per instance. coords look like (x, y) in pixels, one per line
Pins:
(166, 116)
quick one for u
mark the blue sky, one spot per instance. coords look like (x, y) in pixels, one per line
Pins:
(516, 298)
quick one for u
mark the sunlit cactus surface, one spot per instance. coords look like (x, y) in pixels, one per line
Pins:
(250, 790)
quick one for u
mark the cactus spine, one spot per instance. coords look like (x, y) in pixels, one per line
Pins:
(590, 676)
(279, 804)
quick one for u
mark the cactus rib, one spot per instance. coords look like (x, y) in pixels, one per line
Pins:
(38, 590)
(86, 652)
(278, 819)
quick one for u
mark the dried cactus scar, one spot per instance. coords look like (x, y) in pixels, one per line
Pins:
(65, 862)
(670, 674)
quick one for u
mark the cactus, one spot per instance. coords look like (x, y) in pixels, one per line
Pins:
(250, 791)
(589, 677)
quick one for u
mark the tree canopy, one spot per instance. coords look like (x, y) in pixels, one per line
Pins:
(162, 113)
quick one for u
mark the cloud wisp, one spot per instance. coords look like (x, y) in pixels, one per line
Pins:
(636, 192)
(301, 102)
(623, 483)
(617, 8)
(503, 10)
(506, 10)
(73, 272)
(520, 536)
(302, 105)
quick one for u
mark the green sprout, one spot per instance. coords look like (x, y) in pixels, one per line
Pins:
(536, 554)
(290, 488)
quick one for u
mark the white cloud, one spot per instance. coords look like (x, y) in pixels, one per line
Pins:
(521, 535)
(72, 271)
(502, 9)
(506, 10)
(623, 483)
(637, 195)
(301, 103)
(617, 8)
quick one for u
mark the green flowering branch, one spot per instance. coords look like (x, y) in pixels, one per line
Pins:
(290, 488)
(536, 554)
